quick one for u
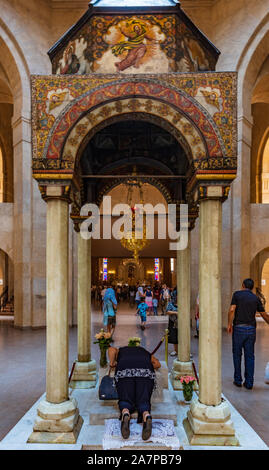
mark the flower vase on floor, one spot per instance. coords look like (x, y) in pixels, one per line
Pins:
(187, 382)
(103, 339)
(188, 392)
(103, 359)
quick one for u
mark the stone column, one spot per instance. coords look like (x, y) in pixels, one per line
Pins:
(23, 210)
(183, 364)
(58, 419)
(84, 375)
(209, 421)
(240, 210)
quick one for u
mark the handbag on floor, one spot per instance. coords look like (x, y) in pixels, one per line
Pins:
(107, 389)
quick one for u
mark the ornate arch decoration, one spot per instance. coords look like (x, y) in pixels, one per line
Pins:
(199, 107)
(191, 139)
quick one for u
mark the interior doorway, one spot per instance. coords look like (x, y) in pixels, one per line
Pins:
(6, 285)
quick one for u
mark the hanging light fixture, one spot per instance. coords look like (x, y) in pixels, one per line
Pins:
(135, 240)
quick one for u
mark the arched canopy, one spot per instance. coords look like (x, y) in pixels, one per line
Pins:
(199, 109)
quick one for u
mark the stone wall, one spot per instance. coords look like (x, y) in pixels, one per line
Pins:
(6, 111)
(260, 128)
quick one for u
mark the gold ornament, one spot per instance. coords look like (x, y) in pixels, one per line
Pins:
(134, 240)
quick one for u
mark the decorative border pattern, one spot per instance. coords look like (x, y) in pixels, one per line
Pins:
(190, 138)
(200, 107)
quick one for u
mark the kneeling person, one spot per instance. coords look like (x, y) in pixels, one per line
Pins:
(134, 377)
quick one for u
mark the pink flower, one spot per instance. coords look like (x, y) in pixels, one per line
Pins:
(187, 379)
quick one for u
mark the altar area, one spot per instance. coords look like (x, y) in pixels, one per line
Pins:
(91, 435)
(134, 87)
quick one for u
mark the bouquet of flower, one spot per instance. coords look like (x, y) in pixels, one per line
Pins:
(134, 341)
(103, 339)
(187, 382)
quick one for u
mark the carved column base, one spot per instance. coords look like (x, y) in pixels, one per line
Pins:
(210, 425)
(57, 423)
(84, 375)
(180, 369)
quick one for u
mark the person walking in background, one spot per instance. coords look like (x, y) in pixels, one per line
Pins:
(142, 311)
(155, 305)
(164, 298)
(157, 292)
(138, 295)
(242, 324)
(172, 311)
(174, 295)
(131, 296)
(148, 299)
(118, 293)
(102, 294)
(109, 310)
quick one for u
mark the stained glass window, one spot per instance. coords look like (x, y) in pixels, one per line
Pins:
(104, 269)
(157, 269)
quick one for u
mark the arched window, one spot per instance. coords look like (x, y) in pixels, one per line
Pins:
(265, 173)
(1, 177)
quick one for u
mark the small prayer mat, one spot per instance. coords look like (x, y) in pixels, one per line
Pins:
(163, 433)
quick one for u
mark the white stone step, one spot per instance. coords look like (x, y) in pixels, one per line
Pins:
(102, 411)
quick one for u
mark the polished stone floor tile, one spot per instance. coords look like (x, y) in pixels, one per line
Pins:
(23, 362)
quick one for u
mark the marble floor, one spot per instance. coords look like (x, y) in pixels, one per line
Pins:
(22, 367)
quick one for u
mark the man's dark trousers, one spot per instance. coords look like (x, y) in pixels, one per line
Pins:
(244, 338)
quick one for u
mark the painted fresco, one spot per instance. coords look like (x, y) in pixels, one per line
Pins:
(205, 101)
(133, 44)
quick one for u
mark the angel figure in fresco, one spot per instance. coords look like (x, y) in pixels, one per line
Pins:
(71, 61)
(194, 58)
(135, 45)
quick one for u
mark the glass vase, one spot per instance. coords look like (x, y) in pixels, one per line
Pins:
(188, 391)
(103, 359)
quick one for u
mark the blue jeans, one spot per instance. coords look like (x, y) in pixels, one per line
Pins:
(155, 310)
(244, 337)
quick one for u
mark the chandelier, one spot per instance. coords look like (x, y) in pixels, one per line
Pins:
(136, 239)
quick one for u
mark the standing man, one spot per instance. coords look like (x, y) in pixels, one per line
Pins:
(164, 298)
(242, 325)
(131, 296)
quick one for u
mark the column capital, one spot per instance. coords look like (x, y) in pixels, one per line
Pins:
(212, 177)
(55, 191)
(214, 190)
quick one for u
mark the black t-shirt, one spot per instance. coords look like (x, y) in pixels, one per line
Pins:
(134, 357)
(247, 304)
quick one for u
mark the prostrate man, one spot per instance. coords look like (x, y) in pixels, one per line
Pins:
(242, 324)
